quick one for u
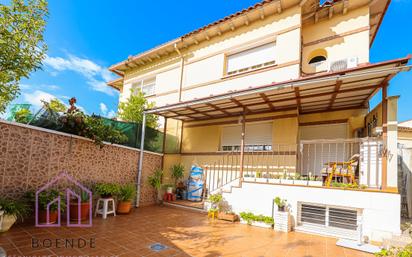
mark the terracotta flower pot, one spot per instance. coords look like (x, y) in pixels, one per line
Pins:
(124, 207)
(8, 221)
(227, 216)
(84, 211)
(43, 217)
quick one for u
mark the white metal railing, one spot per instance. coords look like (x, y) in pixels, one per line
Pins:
(305, 163)
(317, 155)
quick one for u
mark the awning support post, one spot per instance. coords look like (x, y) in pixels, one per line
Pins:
(139, 172)
(385, 135)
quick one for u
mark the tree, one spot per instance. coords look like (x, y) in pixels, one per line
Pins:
(57, 106)
(22, 46)
(132, 110)
(23, 116)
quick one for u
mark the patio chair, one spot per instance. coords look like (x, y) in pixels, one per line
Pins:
(344, 170)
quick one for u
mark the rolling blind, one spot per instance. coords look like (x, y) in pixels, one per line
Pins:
(258, 55)
(255, 134)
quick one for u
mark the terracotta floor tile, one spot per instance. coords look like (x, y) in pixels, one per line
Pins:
(183, 232)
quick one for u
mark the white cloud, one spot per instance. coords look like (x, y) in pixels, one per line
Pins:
(96, 75)
(35, 98)
(103, 108)
(111, 114)
(101, 86)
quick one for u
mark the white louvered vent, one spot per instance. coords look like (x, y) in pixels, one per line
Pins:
(329, 220)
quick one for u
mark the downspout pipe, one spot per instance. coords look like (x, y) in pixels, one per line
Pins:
(140, 167)
(182, 63)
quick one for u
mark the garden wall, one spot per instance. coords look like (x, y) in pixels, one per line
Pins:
(31, 156)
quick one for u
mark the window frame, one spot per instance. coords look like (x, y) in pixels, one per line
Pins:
(139, 84)
(251, 68)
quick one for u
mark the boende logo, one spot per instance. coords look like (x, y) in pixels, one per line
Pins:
(70, 195)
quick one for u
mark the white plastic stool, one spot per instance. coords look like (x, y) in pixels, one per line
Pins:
(105, 209)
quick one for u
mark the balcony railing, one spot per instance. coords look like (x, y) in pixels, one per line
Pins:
(308, 163)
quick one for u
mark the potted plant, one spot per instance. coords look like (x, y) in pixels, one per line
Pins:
(281, 203)
(10, 212)
(315, 181)
(168, 188)
(155, 180)
(274, 179)
(106, 190)
(249, 177)
(297, 180)
(84, 207)
(46, 197)
(260, 177)
(177, 172)
(228, 216)
(282, 216)
(286, 179)
(125, 196)
(214, 201)
(256, 220)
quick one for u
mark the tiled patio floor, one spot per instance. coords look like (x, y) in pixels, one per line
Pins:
(185, 233)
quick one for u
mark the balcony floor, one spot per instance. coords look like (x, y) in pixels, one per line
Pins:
(185, 233)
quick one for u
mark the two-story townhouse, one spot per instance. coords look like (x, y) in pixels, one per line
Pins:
(274, 101)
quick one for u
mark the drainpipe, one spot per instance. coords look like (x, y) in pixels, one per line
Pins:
(182, 63)
(139, 172)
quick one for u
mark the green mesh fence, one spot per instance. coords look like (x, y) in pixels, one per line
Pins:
(15, 108)
(153, 138)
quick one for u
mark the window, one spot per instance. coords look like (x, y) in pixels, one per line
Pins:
(149, 86)
(146, 86)
(317, 59)
(251, 59)
(258, 137)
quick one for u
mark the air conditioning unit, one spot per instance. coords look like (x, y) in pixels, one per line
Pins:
(343, 64)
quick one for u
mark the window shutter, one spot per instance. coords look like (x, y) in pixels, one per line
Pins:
(255, 134)
(255, 56)
(258, 134)
(231, 135)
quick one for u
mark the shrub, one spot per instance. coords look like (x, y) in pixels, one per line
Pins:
(106, 189)
(126, 192)
(45, 197)
(249, 217)
(18, 209)
(155, 180)
(396, 252)
(178, 172)
(280, 202)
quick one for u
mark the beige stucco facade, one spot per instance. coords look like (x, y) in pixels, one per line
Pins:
(197, 66)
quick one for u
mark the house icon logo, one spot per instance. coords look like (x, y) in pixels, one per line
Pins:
(48, 205)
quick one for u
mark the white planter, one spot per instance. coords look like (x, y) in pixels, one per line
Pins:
(262, 180)
(274, 181)
(256, 224)
(286, 181)
(6, 222)
(300, 182)
(169, 190)
(316, 183)
(283, 221)
(249, 179)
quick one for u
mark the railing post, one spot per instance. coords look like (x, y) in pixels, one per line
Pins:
(385, 135)
(242, 146)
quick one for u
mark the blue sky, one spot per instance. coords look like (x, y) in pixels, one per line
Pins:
(86, 37)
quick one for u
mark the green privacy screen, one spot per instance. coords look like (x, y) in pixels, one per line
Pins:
(153, 137)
